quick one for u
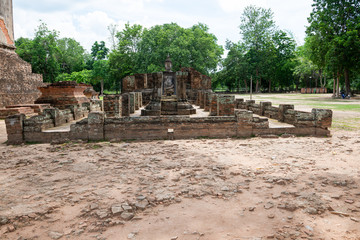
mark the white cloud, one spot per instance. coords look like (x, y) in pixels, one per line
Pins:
(239, 5)
(86, 20)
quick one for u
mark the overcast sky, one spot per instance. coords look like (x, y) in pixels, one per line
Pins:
(86, 20)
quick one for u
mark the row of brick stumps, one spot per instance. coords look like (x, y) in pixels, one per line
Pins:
(122, 105)
(216, 104)
(317, 118)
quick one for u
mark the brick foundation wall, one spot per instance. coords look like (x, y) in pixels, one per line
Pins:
(317, 118)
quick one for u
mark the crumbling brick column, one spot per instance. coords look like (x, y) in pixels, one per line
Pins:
(248, 104)
(263, 107)
(132, 102)
(282, 111)
(140, 99)
(239, 103)
(14, 129)
(136, 102)
(323, 118)
(201, 99)
(125, 105)
(112, 105)
(213, 108)
(207, 101)
(96, 126)
(222, 105)
(226, 105)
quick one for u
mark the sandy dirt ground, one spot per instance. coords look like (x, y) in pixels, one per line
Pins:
(258, 188)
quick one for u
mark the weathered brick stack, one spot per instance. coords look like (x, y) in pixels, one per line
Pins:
(14, 129)
(222, 105)
(96, 126)
(132, 102)
(113, 105)
(125, 102)
(63, 94)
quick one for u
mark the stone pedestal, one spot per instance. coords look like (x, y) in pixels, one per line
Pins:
(63, 94)
(152, 109)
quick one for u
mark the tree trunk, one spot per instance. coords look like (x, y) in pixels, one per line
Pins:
(102, 87)
(334, 87)
(347, 82)
(246, 86)
(321, 78)
(257, 81)
(338, 85)
(269, 85)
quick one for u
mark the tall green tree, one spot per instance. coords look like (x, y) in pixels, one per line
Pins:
(257, 28)
(188, 47)
(235, 72)
(41, 52)
(336, 23)
(70, 55)
(124, 59)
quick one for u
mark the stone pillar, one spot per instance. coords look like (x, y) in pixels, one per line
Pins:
(207, 101)
(55, 115)
(181, 78)
(136, 102)
(263, 106)
(226, 105)
(112, 105)
(248, 103)
(14, 129)
(125, 105)
(96, 126)
(222, 105)
(323, 118)
(282, 111)
(201, 99)
(132, 102)
(213, 108)
(197, 98)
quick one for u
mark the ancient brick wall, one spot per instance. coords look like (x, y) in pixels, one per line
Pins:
(97, 128)
(18, 85)
(317, 118)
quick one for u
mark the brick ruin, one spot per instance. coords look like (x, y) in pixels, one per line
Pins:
(150, 84)
(227, 117)
(18, 85)
(167, 114)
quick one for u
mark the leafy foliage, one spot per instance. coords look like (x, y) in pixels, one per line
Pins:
(265, 54)
(334, 36)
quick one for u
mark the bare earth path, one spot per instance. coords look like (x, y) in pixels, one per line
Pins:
(282, 188)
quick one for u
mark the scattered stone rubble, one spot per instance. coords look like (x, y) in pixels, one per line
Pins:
(132, 182)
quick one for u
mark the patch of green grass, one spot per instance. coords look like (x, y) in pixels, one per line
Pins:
(338, 107)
